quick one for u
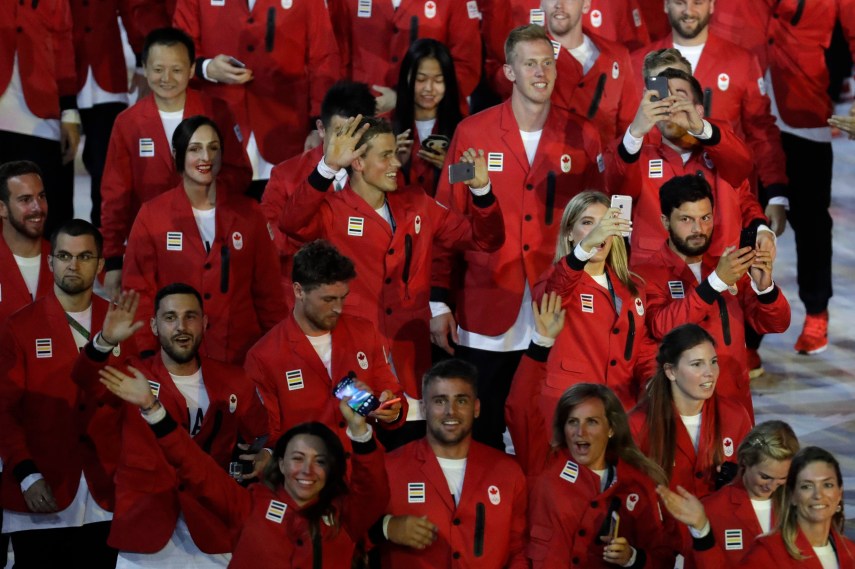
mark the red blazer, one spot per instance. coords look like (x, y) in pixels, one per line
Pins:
(149, 496)
(284, 181)
(133, 176)
(731, 515)
(769, 551)
(618, 21)
(568, 513)
(261, 538)
(238, 278)
(602, 341)
(674, 298)
(294, 384)
(734, 424)
(607, 94)
(14, 293)
(49, 425)
(98, 42)
(393, 270)
(734, 84)
(374, 38)
(726, 163)
(493, 482)
(39, 33)
(492, 291)
(790, 37)
(290, 48)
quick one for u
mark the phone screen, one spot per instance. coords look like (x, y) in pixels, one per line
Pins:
(658, 84)
(363, 402)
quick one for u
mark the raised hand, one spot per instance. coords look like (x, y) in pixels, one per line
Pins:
(411, 531)
(649, 113)
(119, 324)
(734, 263)
(684, 506)
(610, 225)
(341, 146)
(134, 388)
(549, 317)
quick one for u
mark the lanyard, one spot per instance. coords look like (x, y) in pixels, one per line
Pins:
(611, 289)
(391, 217)
(77, 326)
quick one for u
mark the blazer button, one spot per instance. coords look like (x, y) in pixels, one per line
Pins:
(526, 247)
(87, 29)
(616, 331)
(207, 296)
(575, 561)
(388, 311)
(456, 555)
(388, 280)
(699, 475)
(595, 504)
(613, 363)
(529, 187)
(527, 217)
(582, 532)
(250, 21)
(250, 48)
(342, 424)
(394, 59)
(456, 521)
(181, 487)
(207, 266)
(19, 29)
(300, 542)
(392, 251)
(81, 407)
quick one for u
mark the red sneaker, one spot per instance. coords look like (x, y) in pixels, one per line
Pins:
(755, 364)
(814, 337)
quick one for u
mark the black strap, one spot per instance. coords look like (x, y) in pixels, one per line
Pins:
(707, 102)
(550, 196)
(725, 319)
(611, 290)
(598, 95)
(77, 326)
(480, 523)
(271, 29)
(317, 548)
(225, 261)
(408, 258)
(414, 29)
(798, 15)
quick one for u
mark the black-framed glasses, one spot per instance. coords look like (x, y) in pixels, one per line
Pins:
(66, 257)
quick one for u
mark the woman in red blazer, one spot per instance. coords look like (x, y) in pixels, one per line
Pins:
(605, 338)
(428, 105)
(726, 523)
(303, 513)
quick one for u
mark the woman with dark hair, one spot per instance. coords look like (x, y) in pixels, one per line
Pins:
(680, 423)
(216, 241)
(749, 506)
(428, 102)
(592, 496)
(605, 340)
(303, 513)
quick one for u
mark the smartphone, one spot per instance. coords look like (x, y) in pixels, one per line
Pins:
(461, 172)
(237, 63)
(363, 402)
(624, 204)
(614, 526)
(389, 403)
(436, 143)
(748, 237)
(658, 84)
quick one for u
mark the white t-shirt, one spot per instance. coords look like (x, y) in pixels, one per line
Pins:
(693, 425)
(170, 120)
(454, 471)
(763, 510)
(425, 128)
(84, 318)
(29, 267)
(586, 54)
(192, 387)
(323, 347)
(530, 140)
(696, 269)
(826, 556)
(383, 211)
(691, 52)
(206, 221)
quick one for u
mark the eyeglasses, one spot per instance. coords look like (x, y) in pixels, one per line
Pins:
(66, 257)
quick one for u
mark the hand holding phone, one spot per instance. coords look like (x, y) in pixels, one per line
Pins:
(624, 204)
(461, 172)
(658, 84)
(361, 400)
(436, 143)
(748, 237)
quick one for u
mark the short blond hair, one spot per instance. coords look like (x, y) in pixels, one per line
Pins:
(531, 32)
(668, 57)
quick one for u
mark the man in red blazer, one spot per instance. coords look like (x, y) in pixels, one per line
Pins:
(670, 138)
(140, 165)
(454, 502)
(686, 284)
(299, 362)
(39, 120)
(271, 61)
(155, 523)
(24, 273)
(373, 36)
(538, 157)
(59, 449)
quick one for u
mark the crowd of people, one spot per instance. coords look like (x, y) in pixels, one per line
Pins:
(412, 283)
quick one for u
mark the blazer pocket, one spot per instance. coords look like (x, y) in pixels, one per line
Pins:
(540, 538)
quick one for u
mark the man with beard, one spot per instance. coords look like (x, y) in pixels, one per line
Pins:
(734, 90)
(595, 79)
(298, 363)
(59, 449)
(24, 273)
(454, 501)
(687, 284)
(670, 137)
(155, 523)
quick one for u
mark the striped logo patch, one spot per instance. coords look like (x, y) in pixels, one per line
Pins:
(44, 348)
(146, 147)
(676, 289)
(276, 511)
(155, 387)
(570, 472)
(174, 241)
(355, 226)
(363, 9)
(416, 492)
(587, 301)
(294, 379)
(537, 16)
(654, 168)
(732, 539)
(495, 161)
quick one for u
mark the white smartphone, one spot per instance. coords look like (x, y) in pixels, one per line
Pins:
(624, 204)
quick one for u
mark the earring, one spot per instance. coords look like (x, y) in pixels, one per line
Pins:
(839, 508)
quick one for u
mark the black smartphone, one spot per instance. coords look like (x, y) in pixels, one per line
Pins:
(436, 143)
(361, 401)
(461, 172)
(748, 237)
(237, 63)
(658, 84)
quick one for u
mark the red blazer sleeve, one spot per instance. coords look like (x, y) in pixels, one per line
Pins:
(236, 172)
(562, 277)
(594, 174)
(483, 229)
(368, 490)
(140, 17)
(623, 170)
(768, 313)
(273, 204)
(749, 205)
(516, 549)
(268, 296)
(340, 19)
(85, 375)
(13, 443)
(324, 64)
(464, 43)
(267, 391)
(528, 427)
(63, 49)
(252, 422)
(187, 18)
(761, 132)
(116, 183)
(300, 219)
(384, 379)
(663, 312)
(139, 274)
(732, 157)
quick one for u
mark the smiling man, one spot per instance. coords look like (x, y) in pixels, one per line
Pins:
(155, 524)
(454, 502)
